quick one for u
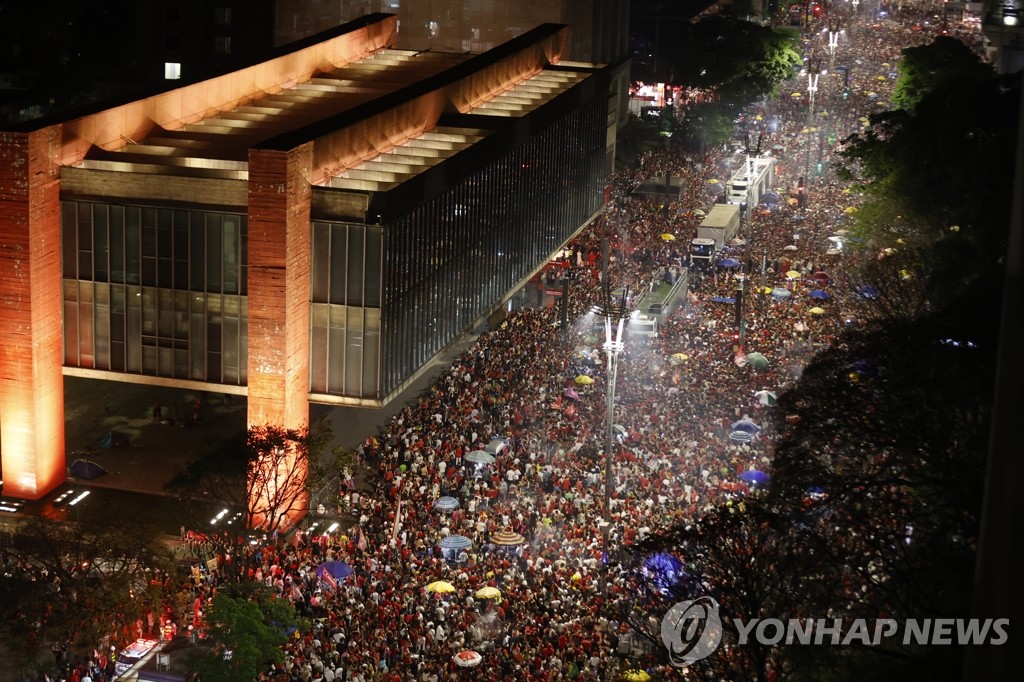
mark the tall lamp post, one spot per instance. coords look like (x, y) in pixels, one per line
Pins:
(813, 71)
(614, 321)
(834, 28)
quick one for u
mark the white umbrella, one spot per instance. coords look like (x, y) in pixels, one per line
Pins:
(467, 659)
(766, 398)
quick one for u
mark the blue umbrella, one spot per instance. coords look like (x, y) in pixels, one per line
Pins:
(723, 299)
(666, 569)
(455, 542)
(754, 476)
(779, 292)
(741, 436)
(336, 569)
(745, 425)
(446, 503)
(820, 294)
(728, 263)
(869, 292)
(770, 198)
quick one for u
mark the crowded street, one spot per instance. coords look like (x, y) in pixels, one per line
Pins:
(481, 547)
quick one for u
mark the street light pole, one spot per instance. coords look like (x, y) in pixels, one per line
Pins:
(614, 321)
(834, 27)
(813, 71)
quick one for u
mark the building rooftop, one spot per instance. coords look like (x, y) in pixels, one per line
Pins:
(372, 112)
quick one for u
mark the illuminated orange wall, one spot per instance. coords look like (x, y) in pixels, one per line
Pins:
(279, 287)
(31, 383)
(111, 129)
(346, 148)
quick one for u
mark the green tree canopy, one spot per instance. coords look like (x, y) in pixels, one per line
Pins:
(940, 176)
(248, 632)
(944, 62)
(740, 59)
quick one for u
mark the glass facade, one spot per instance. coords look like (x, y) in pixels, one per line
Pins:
(155, 291)
(345, 313)
(449, 260)
(162, 291)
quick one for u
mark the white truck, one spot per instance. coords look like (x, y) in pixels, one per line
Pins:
(720, 225)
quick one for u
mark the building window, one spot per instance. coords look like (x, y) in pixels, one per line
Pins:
(172, 41)
(222, 44)
(172, 70)
(172, 13)
(222, 16)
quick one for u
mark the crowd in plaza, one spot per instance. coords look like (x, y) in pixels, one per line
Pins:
(534, 397)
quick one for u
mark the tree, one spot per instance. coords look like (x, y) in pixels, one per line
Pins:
(944, 62)
(708, 124)
(80, 584)
(267, 473)
(248, 630)
(939, 176)
(738, 59)
(755, 562)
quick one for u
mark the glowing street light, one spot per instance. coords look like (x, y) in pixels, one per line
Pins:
(614, 322)
(834, 28)
(813, 71)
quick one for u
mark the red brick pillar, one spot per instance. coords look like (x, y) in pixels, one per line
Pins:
(31, 381)
(279, 288)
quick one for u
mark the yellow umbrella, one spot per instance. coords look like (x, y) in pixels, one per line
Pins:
(584, 380)
(712, 181)
(764, 290)
(792, 201)
(440, 586)
(886, 64)
(636, 676)
(668, 237)
(678, 359)
(488, 593)
(850, 210)
(879, 78)
(793, 274)
(816, 311)
(797, 94)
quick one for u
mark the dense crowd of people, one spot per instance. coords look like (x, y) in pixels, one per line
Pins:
(520, 390)
(534, 519)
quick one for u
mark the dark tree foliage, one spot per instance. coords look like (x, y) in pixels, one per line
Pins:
(306, 462)
(944, 62)
(78, 584)
(248, 628)
(738, 59)
(940, 176)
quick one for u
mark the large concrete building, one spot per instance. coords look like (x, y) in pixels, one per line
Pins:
(314, 227)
